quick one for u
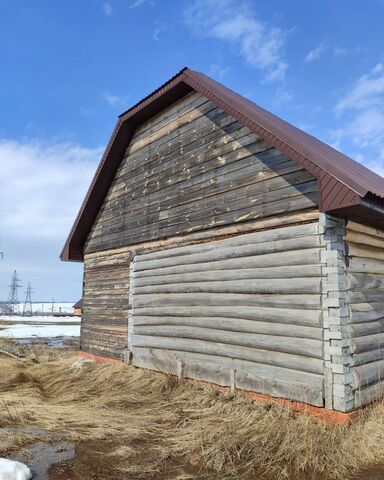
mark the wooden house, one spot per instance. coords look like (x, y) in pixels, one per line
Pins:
(78, 308)
(224, 243)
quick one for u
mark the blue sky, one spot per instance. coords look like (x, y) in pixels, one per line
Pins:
(67, 69)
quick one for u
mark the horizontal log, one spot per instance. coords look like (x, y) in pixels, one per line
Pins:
(364, 251)
(232, 324)
(365, 396)
(196, 237)
(306, 347)
(306, 301)
(366, 296)
(365, 281)
(266, 357)
(284, 273)
(358, 227)
(367, 328)
(283, 233)
(232, 252)
(366, 316)
(367, 357)
(368, 342)
(363, 239)
(366, 265)
(278, 315)
(309, 256)
(368, 374)
(256, 286)
(275, 381)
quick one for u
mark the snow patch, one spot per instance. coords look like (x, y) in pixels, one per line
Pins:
(28, 331)
(38, 319)
(11, 470)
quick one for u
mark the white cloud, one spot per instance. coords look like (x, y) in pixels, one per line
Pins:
(42, 187)
(283, 96)
(218, 71)
(140, 3)
(108, 9)
(259, 44)
(159, 28)
(367, 92)
(114, 100)
(361, 111)
(316, 53)
(339, 51)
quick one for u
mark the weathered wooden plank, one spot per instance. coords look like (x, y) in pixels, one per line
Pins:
(233, 324)
(256, 286)
(375, 295)
(367, 328)
(266, 357)
(277, 343)
(364, 251)
(266, 314)
(186, 158)
(285, 233)
(359, 282)
(368, 342)
(249, 376)
(309, 256)
(366, 265)
(232, 252)
(369, 373)
(282, 273)
(364, 396)
(298, 301)
(364, 239)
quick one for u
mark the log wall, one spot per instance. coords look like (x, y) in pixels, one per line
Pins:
(244, 311)
(192, 168)
(365, 275)
(104, 327)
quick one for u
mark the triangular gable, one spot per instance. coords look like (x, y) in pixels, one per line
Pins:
(346, 188)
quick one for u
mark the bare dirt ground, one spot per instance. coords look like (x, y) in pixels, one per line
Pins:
(73, 419)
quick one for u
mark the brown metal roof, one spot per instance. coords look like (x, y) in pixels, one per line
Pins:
(346, 187)
(78, 304)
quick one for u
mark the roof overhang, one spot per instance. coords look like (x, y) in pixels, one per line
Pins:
(344, 185)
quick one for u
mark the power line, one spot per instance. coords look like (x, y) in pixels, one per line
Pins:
(13, 297)
(27, 308)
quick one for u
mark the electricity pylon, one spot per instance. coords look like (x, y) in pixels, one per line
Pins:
(27, 308)
(13, 297)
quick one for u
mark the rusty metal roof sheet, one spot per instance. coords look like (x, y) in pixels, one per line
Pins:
(346, 187)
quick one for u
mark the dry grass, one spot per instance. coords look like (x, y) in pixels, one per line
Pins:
(144, 425)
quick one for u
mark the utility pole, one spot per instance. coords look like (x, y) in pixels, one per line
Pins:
(13, 297)
(27, 308)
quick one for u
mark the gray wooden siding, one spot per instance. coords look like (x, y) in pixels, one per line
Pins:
(365, 275)
(104, 327)
(193, 167)
(246, 308)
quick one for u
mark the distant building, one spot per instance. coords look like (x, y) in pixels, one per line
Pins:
(78, 308)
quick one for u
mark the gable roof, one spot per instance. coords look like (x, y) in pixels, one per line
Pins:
(346, 188)
(78, 304)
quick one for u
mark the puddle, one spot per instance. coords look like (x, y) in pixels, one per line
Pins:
(54, 459)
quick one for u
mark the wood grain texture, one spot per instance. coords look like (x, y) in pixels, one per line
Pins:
(192, 169)
(104, 327)
(365, 275)
(212, 301)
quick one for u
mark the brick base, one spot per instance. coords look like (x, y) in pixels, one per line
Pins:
(297, 408)
(99, 359)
